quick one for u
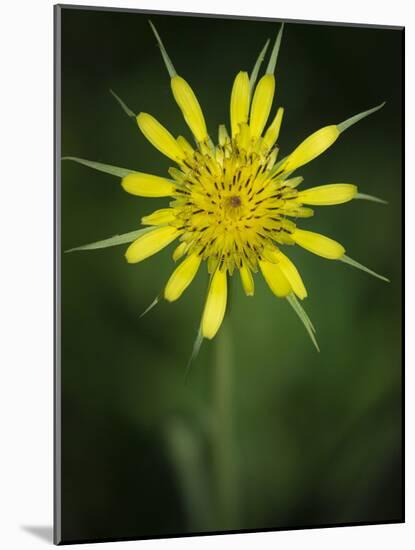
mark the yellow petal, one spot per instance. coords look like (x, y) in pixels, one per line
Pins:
(311, 148)
(318, 244)
(150, 243)
(181, 277)
(271, 135)
(189, 105)
(295, 210)
(294, 182)
(239, 102)
(215, 306)
(146, 185)
(244, 137)
(185, 146)
(292, 275)
(275, 278)
(179, 251)
(159, 137)
(247, 280)
(261, 104)
(159, 217)
(327, 195)
(223, 135)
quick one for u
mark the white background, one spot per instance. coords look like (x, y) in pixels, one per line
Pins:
(26, 307)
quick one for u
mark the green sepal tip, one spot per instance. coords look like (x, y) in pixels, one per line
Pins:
(345, 259)
(123, 105)
(258, 63)
(150, 307)
(112, 241)
(371, 198)
(275, 51)
(167, 61)
(195, 350)
(107, 168)
(304, 318)
(356, 118)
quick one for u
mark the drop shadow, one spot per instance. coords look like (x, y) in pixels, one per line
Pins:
(44, 532)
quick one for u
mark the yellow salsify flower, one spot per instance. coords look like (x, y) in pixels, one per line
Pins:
(232, 205)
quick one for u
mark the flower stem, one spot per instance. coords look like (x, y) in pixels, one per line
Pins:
(223, 456)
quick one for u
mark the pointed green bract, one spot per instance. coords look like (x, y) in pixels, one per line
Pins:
(124, 107)
(258, 63)
(353, 263)
(352, 120)
(275, 50)
(304, 318)
(169, 65)
(371, 198)
(150, 307)
(112, 241)
(107, 168)
(298, 305)
(195, 351)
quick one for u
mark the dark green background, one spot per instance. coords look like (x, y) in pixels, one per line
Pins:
(316, 437)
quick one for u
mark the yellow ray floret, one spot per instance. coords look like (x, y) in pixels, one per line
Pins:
(189, 105)
(146, 185)
(261, 104)
(223, 136)
(247, 280)
(160, 217)
(239, 102)
(215, 306)
(275, 278)
(311, 148)
(273, 131)
(243, 139)
(159, 137)
(180, 251)
(181, 277)
(318, 244)
(292, 275)
(150, 243)
(185, 146)
(328, 195)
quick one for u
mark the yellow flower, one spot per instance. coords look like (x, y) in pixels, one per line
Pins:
(232, 205)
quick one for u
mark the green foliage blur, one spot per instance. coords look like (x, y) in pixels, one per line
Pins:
(316, 438)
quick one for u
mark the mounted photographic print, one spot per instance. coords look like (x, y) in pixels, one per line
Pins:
(228, 274)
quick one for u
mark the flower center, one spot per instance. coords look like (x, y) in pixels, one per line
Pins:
(231, 207)
(235, 201)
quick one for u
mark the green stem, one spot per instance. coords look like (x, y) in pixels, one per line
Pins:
(186, 453)
(223, 456)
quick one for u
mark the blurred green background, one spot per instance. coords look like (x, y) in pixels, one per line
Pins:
(316, 438)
